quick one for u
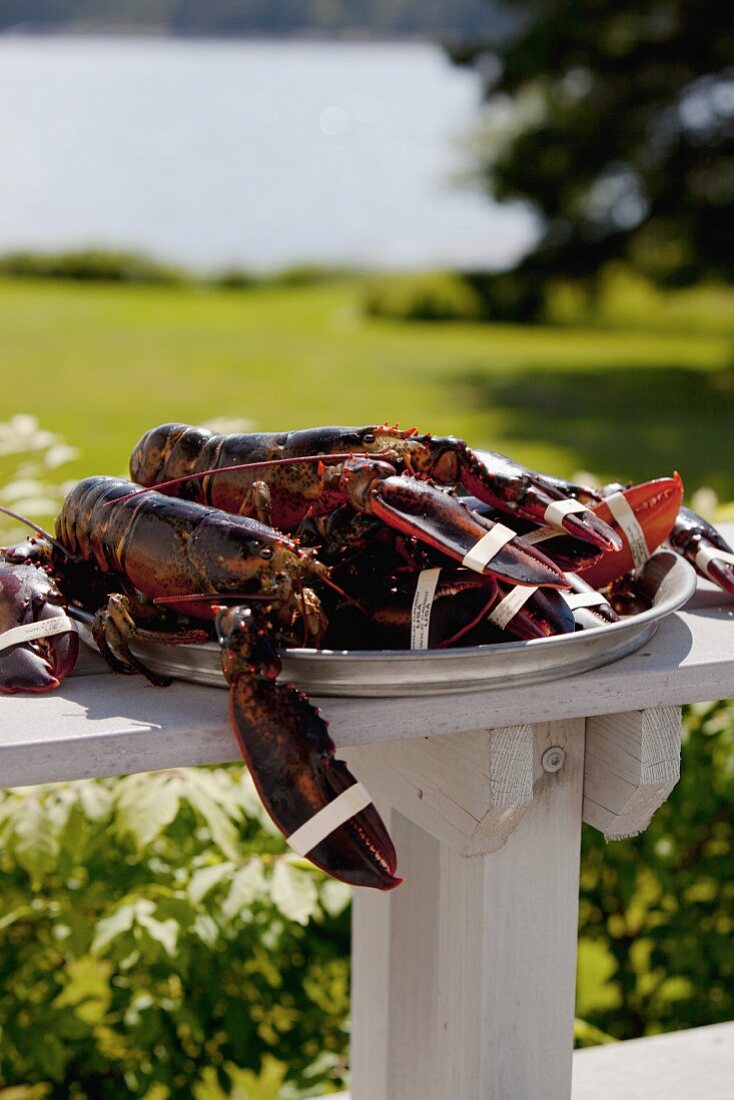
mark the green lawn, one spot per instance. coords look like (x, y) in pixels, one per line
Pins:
(101, 363)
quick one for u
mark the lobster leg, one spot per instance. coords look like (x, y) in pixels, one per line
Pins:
(114, 628)
(310, 795)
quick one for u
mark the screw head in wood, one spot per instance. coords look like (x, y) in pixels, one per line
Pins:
(553, 759)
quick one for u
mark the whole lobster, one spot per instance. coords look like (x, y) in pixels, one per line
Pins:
(117, 548)
(280, 486)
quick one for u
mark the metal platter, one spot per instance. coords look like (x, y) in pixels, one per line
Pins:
(669, 579)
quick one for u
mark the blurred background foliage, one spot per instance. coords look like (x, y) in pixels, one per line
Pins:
(614, 120)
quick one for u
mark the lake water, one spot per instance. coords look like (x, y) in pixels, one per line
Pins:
(257, 154)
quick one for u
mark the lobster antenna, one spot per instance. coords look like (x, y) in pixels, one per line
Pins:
(347, 597)
(469, 626)
(234, 469)
(216, 596)
(35, 527)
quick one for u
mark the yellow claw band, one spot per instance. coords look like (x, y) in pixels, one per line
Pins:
(323, 823)
(42, 628)
(559, 509)
(627, 520)
(488, 547)
(507, 608)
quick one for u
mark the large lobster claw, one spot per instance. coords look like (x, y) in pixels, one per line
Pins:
(644, 516)
(324, 813)
(418, 509)
(500, 481)
(38, 642)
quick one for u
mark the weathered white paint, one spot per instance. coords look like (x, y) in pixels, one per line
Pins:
(683, 1065)
(632, 765)
(464, 977)
(467, 790)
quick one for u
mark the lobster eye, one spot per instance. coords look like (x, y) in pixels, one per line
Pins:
(368, 437)
(266, 552)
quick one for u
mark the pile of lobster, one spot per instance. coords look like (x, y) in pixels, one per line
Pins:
(344, 538)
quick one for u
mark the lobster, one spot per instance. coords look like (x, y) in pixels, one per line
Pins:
(269, 474)
(137, 555)
(142, 557)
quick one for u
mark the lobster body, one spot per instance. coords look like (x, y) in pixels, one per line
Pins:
(290, 488)
(164, 547)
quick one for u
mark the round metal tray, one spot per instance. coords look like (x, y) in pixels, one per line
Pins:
(669, 579)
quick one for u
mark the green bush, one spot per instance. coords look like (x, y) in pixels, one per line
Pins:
(92, 265)
(157, 941)
(657, 912)
(433, 296)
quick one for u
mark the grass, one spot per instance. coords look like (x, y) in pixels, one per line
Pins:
(102, 363)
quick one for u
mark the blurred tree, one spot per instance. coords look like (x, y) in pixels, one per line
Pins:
(614, 119)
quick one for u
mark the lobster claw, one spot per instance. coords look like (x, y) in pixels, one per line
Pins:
(544, 614)
(38, 642)
(419, 509)
(498, 480)
(644, 516)
(323, 812)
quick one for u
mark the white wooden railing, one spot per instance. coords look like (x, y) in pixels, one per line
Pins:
(464, 977)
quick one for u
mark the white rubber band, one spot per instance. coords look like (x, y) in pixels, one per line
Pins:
(707, 554)
(323, 823)
(556, 511)
(508, 607)
(42, 628)
(488, 547)
(420, 615)
(627, 520)
(583, 599)
(540, 534)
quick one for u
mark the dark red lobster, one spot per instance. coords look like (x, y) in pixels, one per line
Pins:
(148, 558)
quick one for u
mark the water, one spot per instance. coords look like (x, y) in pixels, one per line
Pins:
(253, 154)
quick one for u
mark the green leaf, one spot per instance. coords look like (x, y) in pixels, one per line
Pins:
(95, 799)
(245, 1084)
(293, 891)
(147, 804)
(37, 836)
(23, 912)
(52, 1056)
(206, 878)
(157, 1091)
(109, 928)
(87, 988)
(247, 884)
(208, 1087)
(26, 1092)
(206, 929)
(207, 795)
(335, 896)
(164, 932)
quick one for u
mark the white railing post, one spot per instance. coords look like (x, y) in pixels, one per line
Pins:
(464, 978)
